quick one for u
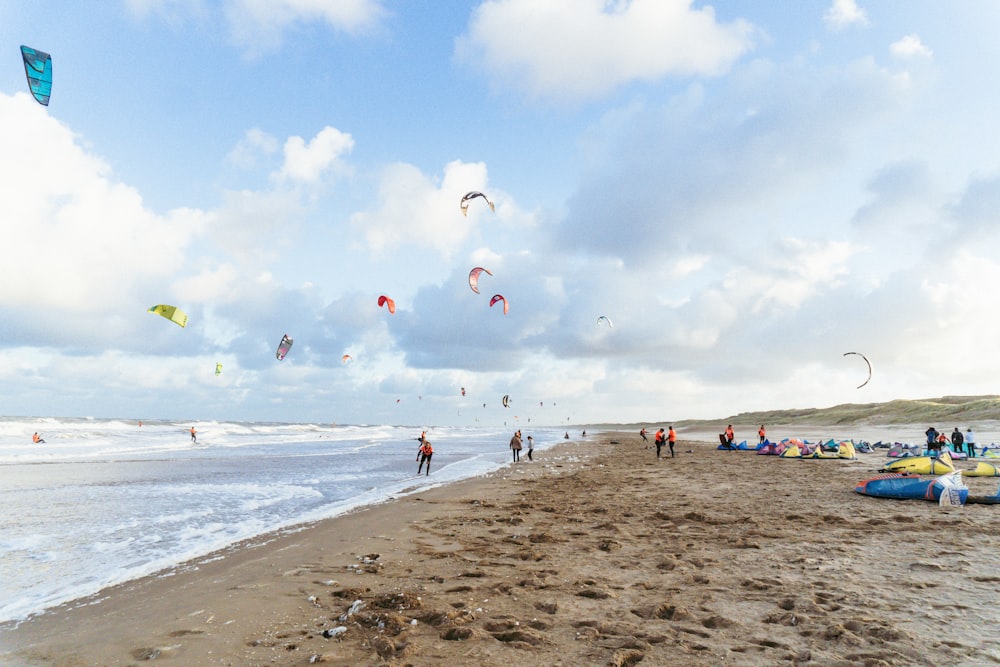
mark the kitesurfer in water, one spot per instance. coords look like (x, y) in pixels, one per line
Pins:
(515, 445)
(37, 439)
(671, 439)
(194, 435)
(426, 451)
(970, 441)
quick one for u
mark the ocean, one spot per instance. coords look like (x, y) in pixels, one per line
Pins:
(103, 501)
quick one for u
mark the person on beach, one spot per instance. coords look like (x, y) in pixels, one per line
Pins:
(932, 435)
(730, 436)
(970, 441)
(566, 437)
(531, 447)
(515, 446)
(762, 432)
(957, 440)
(671, 439)
(37, 439)
(645, 440)
(426, 451)
(194, 435)
(658, 441)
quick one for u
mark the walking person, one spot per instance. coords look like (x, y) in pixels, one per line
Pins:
(671, 439)
(730, 436)
(531, 447)
(645, 440)
(426, 451)
(658, 440)
(194, 435)
(515, 446)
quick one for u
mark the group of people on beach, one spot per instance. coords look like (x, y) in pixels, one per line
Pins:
(425, 451)
(660, 438)
(936, 441)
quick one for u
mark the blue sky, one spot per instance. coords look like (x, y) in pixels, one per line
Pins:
(747, 190)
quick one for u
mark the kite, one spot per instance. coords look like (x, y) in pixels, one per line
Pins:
(283, 347)
(464, 204)
(604, 318)
(499, 297)
(474, 277)
(218, 368)
(869, 367)
(172, 313)
(38, 69)
(506, 401)
(346, 358)
(387, 302)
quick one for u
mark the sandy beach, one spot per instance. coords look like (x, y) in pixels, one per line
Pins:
(596, 553)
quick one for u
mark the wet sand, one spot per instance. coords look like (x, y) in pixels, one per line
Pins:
(595, 554)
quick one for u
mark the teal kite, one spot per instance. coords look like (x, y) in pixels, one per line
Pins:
(38, 69)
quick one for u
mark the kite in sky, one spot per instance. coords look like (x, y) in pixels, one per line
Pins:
(464, 204)
(506, 401)
(474, 277)
(346, 358)
(283, 347)
(604, 318)
(387, 302)
(497, 298)
(38, 69)
(869, 367)
(218, 368)
(172, 313)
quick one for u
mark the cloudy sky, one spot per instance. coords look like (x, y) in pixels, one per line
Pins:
(746, 191)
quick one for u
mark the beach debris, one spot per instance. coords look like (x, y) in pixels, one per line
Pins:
(357, 606)
(869, 367)
(368, 559)
(474, 277)
(38, 70)
(468, 196)
(335, 633)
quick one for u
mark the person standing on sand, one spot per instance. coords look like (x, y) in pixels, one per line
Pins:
(658, 441)
(426, 451)
(970, 441)
(645, 440)
(531, 447)
(957, 440)
(515, 446)
(671, 439)
(730, 436)
(762, 432)
(932, 435)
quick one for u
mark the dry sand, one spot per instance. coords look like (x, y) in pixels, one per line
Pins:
(595, 554)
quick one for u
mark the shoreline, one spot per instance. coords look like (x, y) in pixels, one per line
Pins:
(596, 553)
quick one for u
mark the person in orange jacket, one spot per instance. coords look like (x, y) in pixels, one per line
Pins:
(426, 451)
(730, 435)
(658, 440)
(671, 439)
(762, 433)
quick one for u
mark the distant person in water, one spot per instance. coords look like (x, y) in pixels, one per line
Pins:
(426, 451)
(37, 439)
(566, 437)
(194, 435)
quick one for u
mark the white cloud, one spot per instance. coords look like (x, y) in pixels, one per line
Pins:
(306, 162)
(414, 210)
(844, 13)
(260, 25)
(254, 144)
(910, 47)
(581, 49)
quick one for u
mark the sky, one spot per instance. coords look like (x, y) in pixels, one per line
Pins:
(746, 191)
